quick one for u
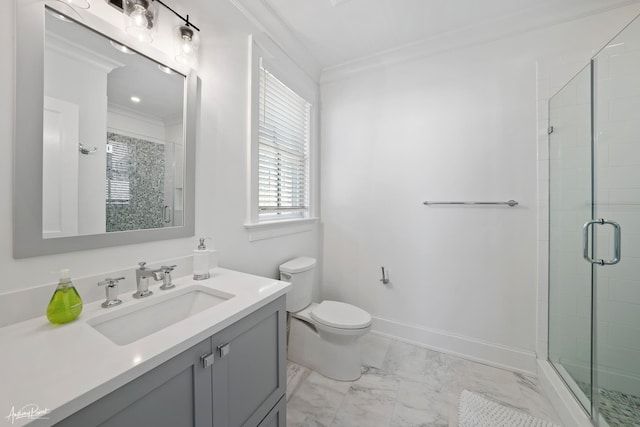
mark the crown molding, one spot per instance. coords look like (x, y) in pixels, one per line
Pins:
(271, 25)
(485, 32)
(80, 53)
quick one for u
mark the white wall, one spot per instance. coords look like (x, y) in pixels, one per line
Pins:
(136, 126)
(456, 126)
(220, 176)
(83, 83)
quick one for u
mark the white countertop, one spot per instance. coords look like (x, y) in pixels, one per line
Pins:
(63, 368)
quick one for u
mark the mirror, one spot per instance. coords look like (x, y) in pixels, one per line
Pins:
(105, 135)
(112, 138)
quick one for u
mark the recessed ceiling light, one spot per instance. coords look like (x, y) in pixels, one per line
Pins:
(57, 15)
(82, 4)
(122, 48)
(165, 69)
(135, 99)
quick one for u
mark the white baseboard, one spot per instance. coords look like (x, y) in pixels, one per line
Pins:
(500, 356)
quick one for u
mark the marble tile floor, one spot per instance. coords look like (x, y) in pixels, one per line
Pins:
(404, 386)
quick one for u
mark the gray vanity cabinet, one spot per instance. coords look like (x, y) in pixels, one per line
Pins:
(176, 393)
(241, 383)
(249, 373)
(278, 415)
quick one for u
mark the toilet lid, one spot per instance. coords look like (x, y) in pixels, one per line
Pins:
(340, 315)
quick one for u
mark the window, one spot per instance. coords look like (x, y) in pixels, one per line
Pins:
(118, 165)
(283, 151)
(282, 168)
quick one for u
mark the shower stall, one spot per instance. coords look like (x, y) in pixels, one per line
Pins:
(594, 233)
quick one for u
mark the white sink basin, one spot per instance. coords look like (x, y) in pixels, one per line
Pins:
(129, 324)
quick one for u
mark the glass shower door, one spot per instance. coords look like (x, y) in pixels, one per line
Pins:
(570, 206)
(594, 233)
(616, 356)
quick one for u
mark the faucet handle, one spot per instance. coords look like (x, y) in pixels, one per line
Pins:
(111, 291)
(166, 282)
(142, 265)
(110, 282)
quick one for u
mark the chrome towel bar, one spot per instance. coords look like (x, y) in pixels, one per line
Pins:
(510, 203)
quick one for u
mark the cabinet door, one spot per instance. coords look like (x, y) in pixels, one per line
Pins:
(249, 373)
(278, 415)
(176, 393)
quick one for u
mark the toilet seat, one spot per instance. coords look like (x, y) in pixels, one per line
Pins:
(340, 315)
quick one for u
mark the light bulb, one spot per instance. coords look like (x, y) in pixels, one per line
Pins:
(186, 45)
(139, 16)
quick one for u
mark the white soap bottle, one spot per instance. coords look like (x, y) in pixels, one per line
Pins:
(201, 258)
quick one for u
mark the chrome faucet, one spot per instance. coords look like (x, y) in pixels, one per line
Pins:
(143, 275)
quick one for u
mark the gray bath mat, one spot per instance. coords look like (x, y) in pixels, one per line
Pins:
(478, 411)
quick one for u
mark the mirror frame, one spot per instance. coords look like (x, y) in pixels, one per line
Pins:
(28, 134)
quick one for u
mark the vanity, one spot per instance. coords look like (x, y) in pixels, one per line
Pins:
(222, 364)
(104, 155)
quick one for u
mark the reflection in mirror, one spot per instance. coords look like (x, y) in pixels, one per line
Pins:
(113, 136)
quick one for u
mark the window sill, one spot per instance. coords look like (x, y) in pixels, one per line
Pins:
(271, 229)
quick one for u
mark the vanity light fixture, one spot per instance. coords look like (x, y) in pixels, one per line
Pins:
(187, 43)
(141, 17)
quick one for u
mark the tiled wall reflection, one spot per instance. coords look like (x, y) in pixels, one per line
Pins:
(135, 183)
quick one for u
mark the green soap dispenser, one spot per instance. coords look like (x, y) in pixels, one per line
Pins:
(65, 304)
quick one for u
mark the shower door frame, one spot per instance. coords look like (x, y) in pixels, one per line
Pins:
(592, 412)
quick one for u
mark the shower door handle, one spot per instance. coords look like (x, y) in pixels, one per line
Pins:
(166, 214)
(617, 251)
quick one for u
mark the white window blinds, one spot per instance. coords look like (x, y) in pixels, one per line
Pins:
(118, 165)
(283, 150)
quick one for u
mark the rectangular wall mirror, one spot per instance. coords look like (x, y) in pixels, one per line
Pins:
(105, 137)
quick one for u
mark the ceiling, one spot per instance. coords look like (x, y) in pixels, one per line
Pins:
(338, 31)
(161, 94)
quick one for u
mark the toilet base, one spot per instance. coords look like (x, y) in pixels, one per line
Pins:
(334, 356)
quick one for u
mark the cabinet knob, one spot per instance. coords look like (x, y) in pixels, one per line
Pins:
(223, 350)
(207, 360)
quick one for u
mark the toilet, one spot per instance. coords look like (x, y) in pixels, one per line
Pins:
(323, 337)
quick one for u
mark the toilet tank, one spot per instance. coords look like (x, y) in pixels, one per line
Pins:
(299, 272)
